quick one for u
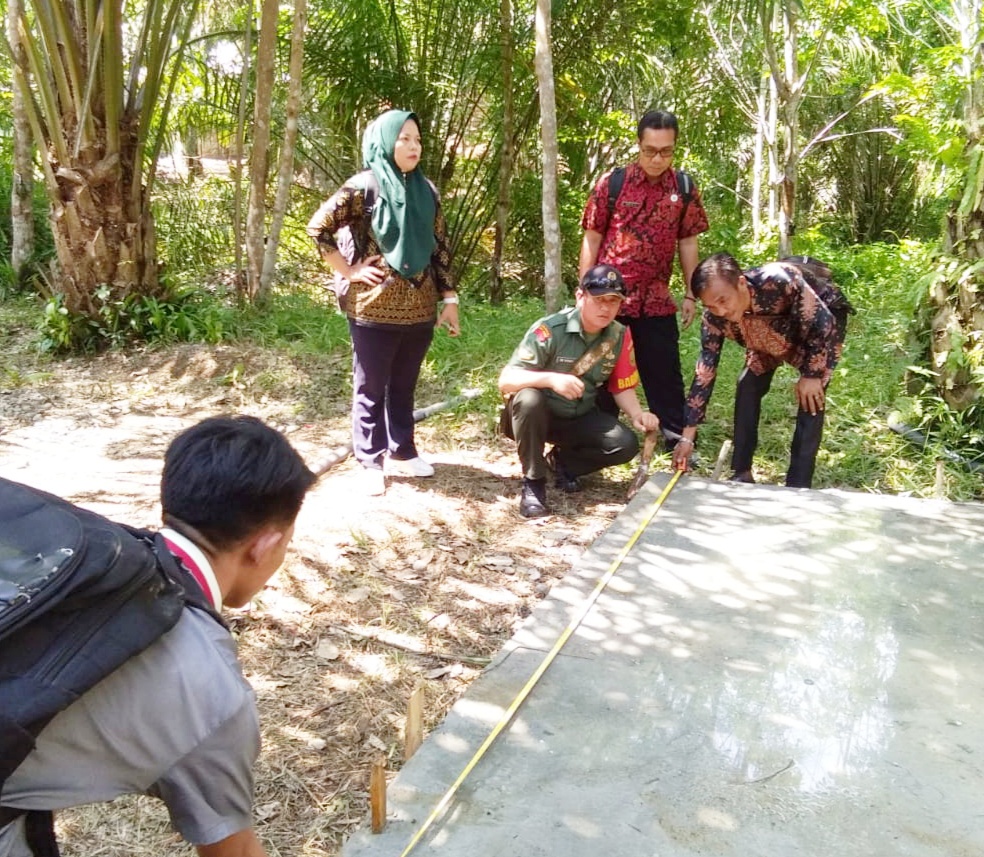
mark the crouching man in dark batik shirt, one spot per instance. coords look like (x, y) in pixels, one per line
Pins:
(783, 312)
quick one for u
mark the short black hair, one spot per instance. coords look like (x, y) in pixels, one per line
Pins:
(658, 120)
(719, 266)
(229, 476)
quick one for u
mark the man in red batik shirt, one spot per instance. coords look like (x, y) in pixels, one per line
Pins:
(655, 215)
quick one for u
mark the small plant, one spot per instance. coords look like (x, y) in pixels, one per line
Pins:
(182, 316)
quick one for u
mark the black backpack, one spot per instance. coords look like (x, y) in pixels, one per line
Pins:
(820, 278)
(685, 187)
(79, 596)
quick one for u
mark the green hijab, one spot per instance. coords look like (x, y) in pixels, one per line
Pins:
(403, 217)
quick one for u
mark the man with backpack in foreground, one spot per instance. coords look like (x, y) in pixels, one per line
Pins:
(637, 218)
(176, 720)
(788, 311)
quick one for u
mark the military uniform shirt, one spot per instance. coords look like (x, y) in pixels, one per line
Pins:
(558, 342)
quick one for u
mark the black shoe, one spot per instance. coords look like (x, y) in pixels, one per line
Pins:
(743, 476)
(533, 501)
(562, 479)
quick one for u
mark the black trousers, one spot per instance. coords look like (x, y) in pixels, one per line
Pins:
(657, 351)
(584, 444)
(385, 367)
(806, 436)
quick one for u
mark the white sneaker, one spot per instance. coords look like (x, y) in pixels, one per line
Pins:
(410, 467)
(373, 481)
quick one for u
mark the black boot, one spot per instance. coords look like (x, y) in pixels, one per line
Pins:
(533, 502)
(563, 480)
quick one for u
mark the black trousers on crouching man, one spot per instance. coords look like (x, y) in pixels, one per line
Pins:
(806, 436)
(584, 444)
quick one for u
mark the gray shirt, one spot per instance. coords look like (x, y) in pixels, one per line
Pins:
(178, 721)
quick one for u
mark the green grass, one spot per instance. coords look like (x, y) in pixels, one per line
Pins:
(858, 452)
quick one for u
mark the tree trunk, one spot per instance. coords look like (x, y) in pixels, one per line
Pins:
(237, 169)
(260, 153)
(97, 106)
(791, 89)
(773, 152)
(758, 160)
(958, 299)
(286, 174)
(105, 243)
(496, 289)
(553, 285)
(22, 187)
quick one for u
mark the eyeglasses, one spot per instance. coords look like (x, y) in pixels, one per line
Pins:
(650, 154)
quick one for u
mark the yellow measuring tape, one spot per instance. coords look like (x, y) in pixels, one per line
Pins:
(540, 670)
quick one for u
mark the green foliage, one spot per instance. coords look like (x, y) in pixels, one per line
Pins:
(298, 317)
(194, 223)
(183, 316)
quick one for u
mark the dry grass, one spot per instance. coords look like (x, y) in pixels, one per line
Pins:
(378, 596)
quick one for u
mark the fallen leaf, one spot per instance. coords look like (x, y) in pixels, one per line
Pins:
(327, 651)
(422, 561)
(440, 621)
(266, 810)
(439, 672)
(376, 743)
(358, 594)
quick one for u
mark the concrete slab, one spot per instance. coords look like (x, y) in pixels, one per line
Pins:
(770, 672)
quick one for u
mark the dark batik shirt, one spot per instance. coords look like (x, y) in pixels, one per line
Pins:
(787, 323)
(396, 301)
(640, 238)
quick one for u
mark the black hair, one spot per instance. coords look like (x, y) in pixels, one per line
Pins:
(230, 476)
(719, 266)
(658, 120)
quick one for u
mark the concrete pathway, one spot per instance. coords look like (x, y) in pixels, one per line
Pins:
(770, 672)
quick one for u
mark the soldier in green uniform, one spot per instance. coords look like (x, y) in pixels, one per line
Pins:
(551, 384)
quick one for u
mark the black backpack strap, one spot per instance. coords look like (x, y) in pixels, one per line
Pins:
(685, 187)
(615, 182)
(39, 827)
(175, 569)
(370, 190)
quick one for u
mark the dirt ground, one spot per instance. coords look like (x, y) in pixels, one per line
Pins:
(378, 595)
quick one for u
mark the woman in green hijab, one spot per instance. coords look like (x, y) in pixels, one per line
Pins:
(384, 234)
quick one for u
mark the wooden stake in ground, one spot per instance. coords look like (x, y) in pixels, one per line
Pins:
(377, 795)
(414, 734)
(719, 464)
(642, 474)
